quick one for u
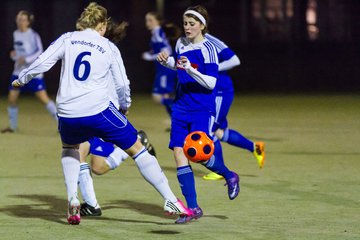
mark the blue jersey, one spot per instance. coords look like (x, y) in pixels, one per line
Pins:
(190, 95)
(224, 82)
(158, 44)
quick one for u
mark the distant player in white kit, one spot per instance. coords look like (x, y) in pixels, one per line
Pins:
(27, 47)
(90, 64)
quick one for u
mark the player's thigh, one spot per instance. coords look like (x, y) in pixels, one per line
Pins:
(179, 129)
(202, 122)
(114, 127)
(72, 130)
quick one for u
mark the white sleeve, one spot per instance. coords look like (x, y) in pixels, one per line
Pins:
(229, 64)
(16, 57)
(121, 81)
(39, 50)
(45, 61)
(206, 81)
(170, 63)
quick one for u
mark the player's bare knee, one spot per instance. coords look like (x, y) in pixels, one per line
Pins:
(96, 170)
(219, 133)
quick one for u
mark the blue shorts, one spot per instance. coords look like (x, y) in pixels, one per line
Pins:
(100, 148)
(223, 103)
(165, 81)
(35, 85)
(109, 125)
(184, 123)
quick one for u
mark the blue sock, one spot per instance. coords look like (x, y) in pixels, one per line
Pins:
(186, 179)
(13, 117)
(168, 102)
(216, 163)
(234, 138)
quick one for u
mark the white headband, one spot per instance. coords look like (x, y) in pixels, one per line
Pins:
(198, 15)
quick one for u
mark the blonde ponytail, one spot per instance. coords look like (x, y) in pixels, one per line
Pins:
(92, 15)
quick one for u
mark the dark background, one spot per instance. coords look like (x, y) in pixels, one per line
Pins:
(290, 46)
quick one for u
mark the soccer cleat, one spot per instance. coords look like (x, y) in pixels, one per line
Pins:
(196, 214)
(145, 141)
(213, 176)
(233, 186)
(7, 130)
(88, 210)
(177, 207)
(259, 153)
(73, 211)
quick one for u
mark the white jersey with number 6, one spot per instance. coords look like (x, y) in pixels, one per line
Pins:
(89, 63)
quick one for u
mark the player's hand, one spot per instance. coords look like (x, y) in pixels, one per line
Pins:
(185, 63)
(12, 54)
(17, 84)
(124, 111)
(162, 57)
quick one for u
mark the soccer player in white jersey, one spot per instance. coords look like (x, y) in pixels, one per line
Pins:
(27, 47)
(194, 105)
(90, 64)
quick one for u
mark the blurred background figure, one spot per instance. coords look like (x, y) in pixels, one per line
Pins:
(165, 79)
(27, 47)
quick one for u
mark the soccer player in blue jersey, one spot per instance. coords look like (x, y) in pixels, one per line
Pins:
(224, 91)
(27, 47)
(104, 156)
(194, 105)
(91, 66)
(165, 79)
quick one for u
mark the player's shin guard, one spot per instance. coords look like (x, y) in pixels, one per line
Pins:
(234, 138)
(186, 179)
(71, 168)
(86, 185)
(13, 112)
(216, 162)
(151, 171)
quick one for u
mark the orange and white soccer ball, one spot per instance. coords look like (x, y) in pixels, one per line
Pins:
(198, 147)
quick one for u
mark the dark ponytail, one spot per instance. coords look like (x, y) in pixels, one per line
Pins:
(115, 32)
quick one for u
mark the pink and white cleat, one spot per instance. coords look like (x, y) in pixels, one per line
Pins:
(177, 207)
(73, 211)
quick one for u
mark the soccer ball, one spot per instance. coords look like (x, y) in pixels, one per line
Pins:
(198, 147)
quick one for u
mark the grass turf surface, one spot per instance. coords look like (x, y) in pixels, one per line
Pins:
(308, 189)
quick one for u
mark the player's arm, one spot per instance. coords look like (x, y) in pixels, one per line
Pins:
(164, 59)
(43, 63)
(39, 50)
(231, 60)
(121, 81)
(211, 62)
(207, 81)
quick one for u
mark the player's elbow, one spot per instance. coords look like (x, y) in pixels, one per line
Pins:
(236, 61)
(211, 83)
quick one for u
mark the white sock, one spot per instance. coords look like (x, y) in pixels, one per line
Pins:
(151, 171)
(116, 158)
(86, 185)
(71, 169)
(13, 112)
(50, 106)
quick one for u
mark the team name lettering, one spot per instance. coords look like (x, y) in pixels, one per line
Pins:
(89, 44)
